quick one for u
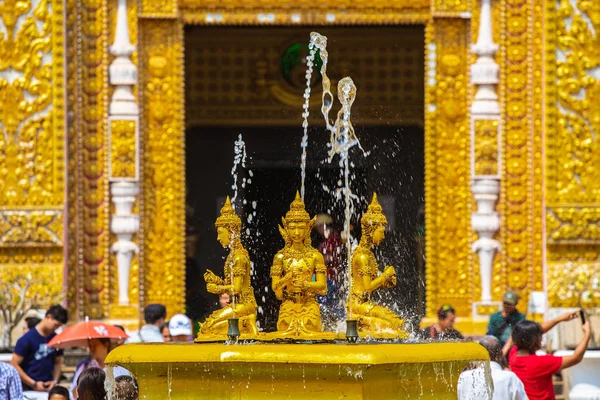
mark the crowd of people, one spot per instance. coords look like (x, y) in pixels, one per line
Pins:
(519, 367)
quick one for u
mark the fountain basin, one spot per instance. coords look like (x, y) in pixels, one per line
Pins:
(297, 371)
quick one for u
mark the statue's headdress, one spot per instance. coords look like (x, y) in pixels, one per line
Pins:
(297, 213)
(228, 218)
(374, 215)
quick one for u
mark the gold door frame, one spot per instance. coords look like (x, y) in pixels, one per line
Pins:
(452, 273)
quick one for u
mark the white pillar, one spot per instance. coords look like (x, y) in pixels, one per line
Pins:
(124, 186)
(485, 184)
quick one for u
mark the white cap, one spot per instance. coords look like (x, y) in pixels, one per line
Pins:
(179, 324)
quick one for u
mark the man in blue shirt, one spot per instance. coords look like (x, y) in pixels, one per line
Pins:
(501, 323)
(39, 366)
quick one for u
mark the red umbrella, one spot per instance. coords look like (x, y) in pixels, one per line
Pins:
(78, 335)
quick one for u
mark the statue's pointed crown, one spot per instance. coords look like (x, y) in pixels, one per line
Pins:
(228, 218)
(297, 211)
(374, 214)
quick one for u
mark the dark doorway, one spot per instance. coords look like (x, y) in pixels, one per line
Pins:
(394, 169)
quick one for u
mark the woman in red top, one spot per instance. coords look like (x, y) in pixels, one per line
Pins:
(536, 371)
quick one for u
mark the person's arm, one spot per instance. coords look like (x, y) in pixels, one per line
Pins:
(507, 346)
(577, 356)
(56, 371)
(546, 326)
(26, 379)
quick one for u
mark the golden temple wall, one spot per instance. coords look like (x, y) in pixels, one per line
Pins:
(573, 152)
(32, 147)
(548, 147)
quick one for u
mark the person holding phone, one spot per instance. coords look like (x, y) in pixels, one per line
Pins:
(536, 371)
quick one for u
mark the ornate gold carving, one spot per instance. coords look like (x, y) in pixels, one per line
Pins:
(238, 79)
(45, 274)
(574, 225)
(575, 157)
(162, 219)
(574, 284)
(88, 167)
(486, 147)
(521, 264)
(31, 104)
(450, 7)
(487, 309)
(20, 228)
(32, 132)
(123, 149)
(158, 8)
(573, 150)
(254, 12)
(448, 195)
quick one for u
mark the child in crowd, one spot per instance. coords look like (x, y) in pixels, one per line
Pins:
(58, 393)
(125, 388)
(90, 385)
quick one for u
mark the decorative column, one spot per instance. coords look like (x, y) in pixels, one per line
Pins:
(123, 165)
(485, 157)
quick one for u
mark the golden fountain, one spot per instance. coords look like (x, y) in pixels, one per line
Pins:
(300, 360)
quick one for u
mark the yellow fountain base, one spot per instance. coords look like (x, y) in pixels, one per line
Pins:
(297, 371)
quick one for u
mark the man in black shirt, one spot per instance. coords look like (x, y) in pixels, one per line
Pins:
(444, 328)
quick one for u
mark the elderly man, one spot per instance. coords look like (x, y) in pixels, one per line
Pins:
(507, 386)
(501, 323)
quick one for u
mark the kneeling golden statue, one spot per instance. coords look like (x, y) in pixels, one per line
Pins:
(236, 281)
(298, 275)
(372, 319)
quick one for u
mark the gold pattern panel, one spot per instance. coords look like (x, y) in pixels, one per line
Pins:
(32, 132)
(450, 7)
(574, 284)
(573, 225)
(256, 76)
(486, 147)
(289, 12)
(123, 149)
(89, 205)
(31, 228)
(573, 150)
(31, 103)
(158, 8)
(163, 198)
(520, 204)
(447, 186)
(44, 272)
(574, 159)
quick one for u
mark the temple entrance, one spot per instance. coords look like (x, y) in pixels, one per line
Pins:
(250, 81)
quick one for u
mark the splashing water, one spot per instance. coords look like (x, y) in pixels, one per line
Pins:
(342, 135)
(239, 157)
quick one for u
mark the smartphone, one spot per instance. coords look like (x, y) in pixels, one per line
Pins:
(582, 316)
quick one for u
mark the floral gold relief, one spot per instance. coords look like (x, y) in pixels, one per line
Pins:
(32, 132)
(123, 149)
(486, 147)
(259, 12)
(447, 190)
(89, 205)
(162, 215)
(520, 58)
(573, 151)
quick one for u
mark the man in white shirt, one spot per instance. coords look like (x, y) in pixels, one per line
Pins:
(155, 315)
(472, 384)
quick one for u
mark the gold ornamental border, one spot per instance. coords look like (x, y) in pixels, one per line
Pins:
(161, 50)
(450, 31)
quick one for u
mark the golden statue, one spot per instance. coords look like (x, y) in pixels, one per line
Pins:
(372, 319)
(236, 282)
(298, 276)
